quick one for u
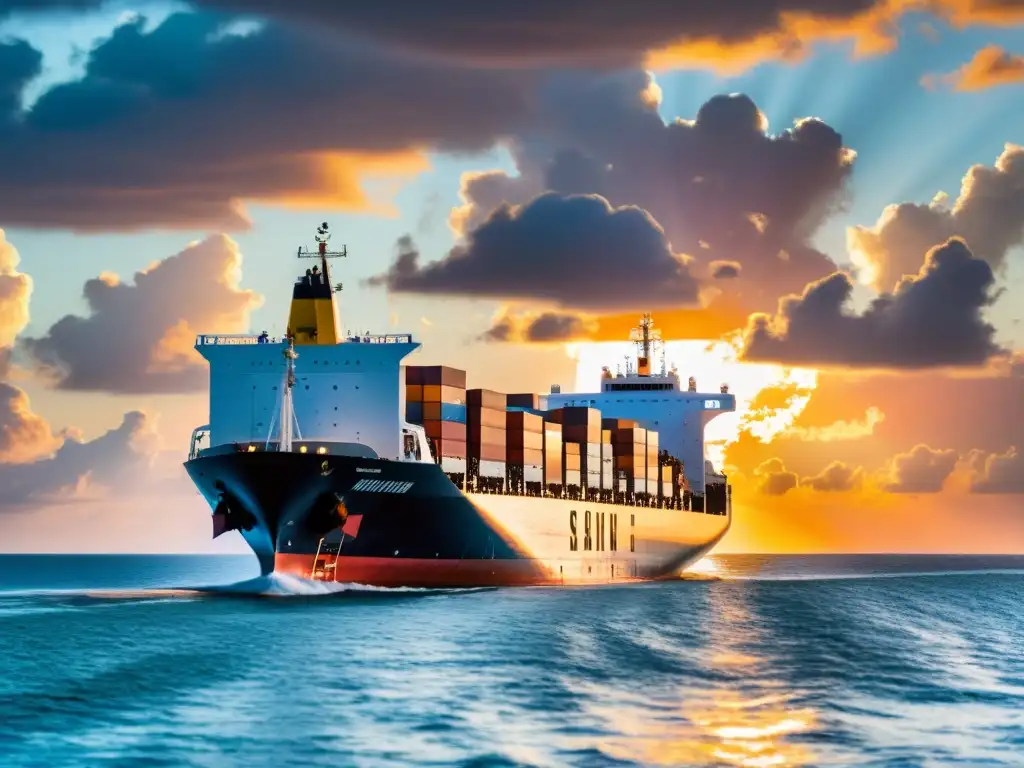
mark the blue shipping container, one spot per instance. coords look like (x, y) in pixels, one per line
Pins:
(414, 413)
(451, 412)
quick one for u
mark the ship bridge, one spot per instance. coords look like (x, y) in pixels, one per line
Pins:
(656, 400)
(346, 389)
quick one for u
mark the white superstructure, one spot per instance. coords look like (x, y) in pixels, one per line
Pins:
(657, 401)
(352, 392)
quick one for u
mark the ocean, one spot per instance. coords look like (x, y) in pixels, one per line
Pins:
(759, 661)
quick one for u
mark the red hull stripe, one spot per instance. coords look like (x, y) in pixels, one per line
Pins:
(414, 572)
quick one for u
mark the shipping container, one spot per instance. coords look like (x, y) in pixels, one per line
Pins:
(486, 398)
(634, 435)
(571, 461)
(445, 430)
(487, 417)
(437, 393)
(614, 424)
(479, 435)
(572, 477)
(486, 451)
(552, 454)
(666, 473)
(590, 457)
(525, 439)
(490, 468)
(524, 400)
(453, 465)
(414, 393)
(414, 412)
(639, 485)
(524, 456)
(607, 474)
(631, 464)
(455, 448)
(523, 421)
(576, 415)
(666, 490)
(581, 433)
(435, 374)
(533, 473)
(570, 447)
(444, 412)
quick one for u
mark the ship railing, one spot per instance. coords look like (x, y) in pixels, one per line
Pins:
(380, 338)
(208, 339)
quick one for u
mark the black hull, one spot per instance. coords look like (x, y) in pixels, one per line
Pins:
(409, 525)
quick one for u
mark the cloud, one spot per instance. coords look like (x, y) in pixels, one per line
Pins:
(840, 430)
(178, 126)
(721, 185)
(990, 67)
(138, 338)
(576, 251)
(988, 214)
(775, 479)
(997, 472)
(15, 291)
(118, 459)
(24, 435)
(920, 470)
(836, 477)
(540, 327)
(931, 319)
(576, 32)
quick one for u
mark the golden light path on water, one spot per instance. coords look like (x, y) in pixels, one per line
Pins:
(711, 364)
(744, 715)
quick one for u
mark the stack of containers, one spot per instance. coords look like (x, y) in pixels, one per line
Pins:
(435, 396)
(570, 463)
(629, 445)
(666, 483)
(524, 435)
(653, 470)
(582, 426)
(607, 462)
(553, 457)
(485, 425)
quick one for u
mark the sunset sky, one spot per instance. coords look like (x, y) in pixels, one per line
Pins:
(824, 208)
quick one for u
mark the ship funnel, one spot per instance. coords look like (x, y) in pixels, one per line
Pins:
(312, 318)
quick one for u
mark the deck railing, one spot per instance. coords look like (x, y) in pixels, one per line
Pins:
(208, 339)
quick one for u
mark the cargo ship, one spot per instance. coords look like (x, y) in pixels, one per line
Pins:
(335, 460)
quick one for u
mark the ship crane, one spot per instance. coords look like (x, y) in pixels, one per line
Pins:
(287, 417)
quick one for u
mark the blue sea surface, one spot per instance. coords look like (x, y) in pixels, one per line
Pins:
(763, 661)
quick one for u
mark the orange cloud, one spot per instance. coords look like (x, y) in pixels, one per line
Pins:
(990, 67)
(15, 291)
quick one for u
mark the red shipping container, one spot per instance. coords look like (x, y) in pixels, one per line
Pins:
(521, 421)
(414, 393)
(613, 424)
(486, 452)
(486, 398)
(436, 393)
(445, 430)
(581, 433)
(454, 448)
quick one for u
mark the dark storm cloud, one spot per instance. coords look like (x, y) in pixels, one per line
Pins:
(610, 32)
(175, 126)
(544, 327)
(932, 319)
(988, 214)
(139, 337)
(722, 186)
(920, 470)
(577, 251)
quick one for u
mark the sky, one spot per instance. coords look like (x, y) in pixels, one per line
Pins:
(824, 208)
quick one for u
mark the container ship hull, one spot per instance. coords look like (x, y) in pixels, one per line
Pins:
(406, 524)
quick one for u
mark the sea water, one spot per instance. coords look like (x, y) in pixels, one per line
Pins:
(759, 661)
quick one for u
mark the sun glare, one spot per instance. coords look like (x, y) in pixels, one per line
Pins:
(712, 364)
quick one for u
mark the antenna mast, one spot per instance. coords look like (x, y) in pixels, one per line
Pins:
(323, 236)
(287, 406)
(646, 336)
